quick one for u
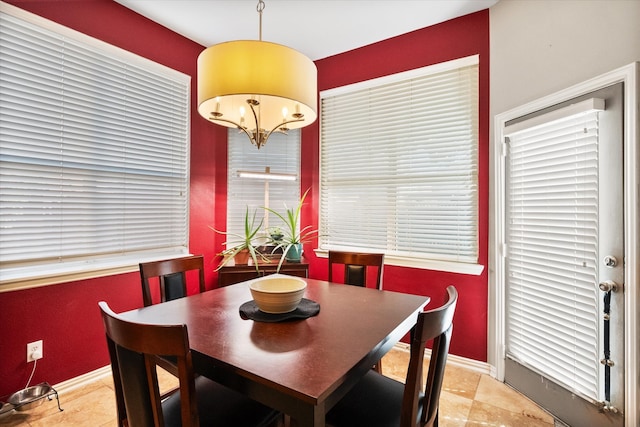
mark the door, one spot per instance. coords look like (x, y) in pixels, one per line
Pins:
(564, 260)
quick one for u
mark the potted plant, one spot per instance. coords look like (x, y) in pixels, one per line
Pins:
(293, 237)
(275, 235)
(241, 247)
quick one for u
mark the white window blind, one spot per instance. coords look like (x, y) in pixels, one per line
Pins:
(281, 155)
(552, 203)
(399, 165)
(93, 153)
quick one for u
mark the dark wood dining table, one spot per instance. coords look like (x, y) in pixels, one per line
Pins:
(300, 367)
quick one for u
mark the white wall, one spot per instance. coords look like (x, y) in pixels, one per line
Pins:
(539, 47)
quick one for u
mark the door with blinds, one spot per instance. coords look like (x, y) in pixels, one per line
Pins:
(564, 260)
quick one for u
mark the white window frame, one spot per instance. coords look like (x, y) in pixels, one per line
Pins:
(255, 188)
(160, 157)
(453, 262)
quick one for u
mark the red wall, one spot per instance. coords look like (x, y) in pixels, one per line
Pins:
(66, 316)
(465, 36)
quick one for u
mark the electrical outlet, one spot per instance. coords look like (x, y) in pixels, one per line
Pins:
(34, 351)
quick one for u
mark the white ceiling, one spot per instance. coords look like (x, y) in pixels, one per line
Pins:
(317, 28)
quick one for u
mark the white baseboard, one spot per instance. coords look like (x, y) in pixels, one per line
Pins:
(458, 361)
(82, 380)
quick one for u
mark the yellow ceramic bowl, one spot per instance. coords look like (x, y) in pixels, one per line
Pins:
(277, 293)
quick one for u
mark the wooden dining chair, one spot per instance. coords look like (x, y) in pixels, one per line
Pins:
(355, 272)
(379, 401)
(133, 348)
(171, 276)
(355, 267)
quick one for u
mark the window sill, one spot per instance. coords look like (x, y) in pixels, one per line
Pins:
(20, 278)
(426, 264)
(54, 279)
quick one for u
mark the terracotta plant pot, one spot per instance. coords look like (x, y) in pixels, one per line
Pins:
(242, 257)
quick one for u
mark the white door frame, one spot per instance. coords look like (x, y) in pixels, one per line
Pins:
(630, 76)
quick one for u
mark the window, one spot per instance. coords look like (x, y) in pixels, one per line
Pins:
(92, 178)
(399, 166)
(281, 155)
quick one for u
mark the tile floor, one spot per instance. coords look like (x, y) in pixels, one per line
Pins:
(468, 399)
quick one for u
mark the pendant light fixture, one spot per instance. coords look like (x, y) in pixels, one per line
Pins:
(258, 87)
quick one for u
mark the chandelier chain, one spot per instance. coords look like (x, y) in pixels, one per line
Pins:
(260, 7)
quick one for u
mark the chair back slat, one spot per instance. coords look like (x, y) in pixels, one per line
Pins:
(138, 399)
(173, 286)
(355, 275)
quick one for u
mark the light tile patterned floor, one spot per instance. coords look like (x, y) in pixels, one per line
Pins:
(468, 399)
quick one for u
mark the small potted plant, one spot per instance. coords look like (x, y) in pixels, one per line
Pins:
(293, 237)
(241, 247)
(275, 235)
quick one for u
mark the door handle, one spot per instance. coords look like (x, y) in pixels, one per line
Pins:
(609, 286)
